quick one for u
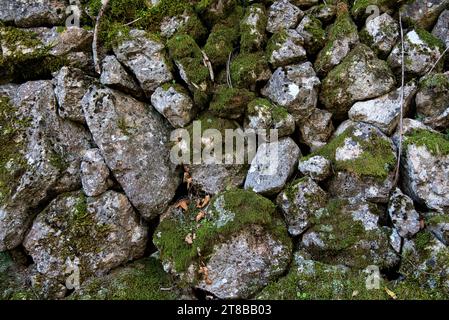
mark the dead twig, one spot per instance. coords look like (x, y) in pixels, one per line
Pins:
(438, 61)
(134, 21)
(401, 115)
(228, 70)
(95, 40)
(208, 64)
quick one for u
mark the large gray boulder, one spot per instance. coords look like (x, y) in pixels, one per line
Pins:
(233, 252)
(84, 237)
(133, 138)
(40, 156)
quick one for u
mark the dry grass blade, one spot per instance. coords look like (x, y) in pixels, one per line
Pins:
(228, 70)
(208, 64)
(438, 61)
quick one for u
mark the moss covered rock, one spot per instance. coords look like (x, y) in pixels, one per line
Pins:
(311, 30)
(248, 69)
(231, 102)
(350, 234)
(252, 28)
(360, 76)
(238, 226)
(141, 280)
(364, 160)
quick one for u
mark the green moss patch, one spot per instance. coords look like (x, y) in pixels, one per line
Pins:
(231, 102)
(436, 143)
(220, 44)
(142, 280)
(377, 159)
(253, 36)
(12, 139)
(247, 68)
(228, 213)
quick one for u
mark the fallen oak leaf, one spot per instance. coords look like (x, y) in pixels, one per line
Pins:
(202, 203)
(200, 216)
(183, 204)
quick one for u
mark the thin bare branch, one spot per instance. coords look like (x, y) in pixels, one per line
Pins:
(228, 70)
(208, 64)
(134, 21)
(95, 40)
(401, 116)
(438, 61)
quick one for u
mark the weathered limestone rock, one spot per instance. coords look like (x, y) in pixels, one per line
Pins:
(423, 51)
(381, 34)
(31, 13)
(95, 175)
(133, 139)
(424, 167)
(294, 88)
(40, 156)
(175, 104)
(298, 202)
(70, 86)
(262, 115)
(361, 76)
(403, 214)
(423, 13)
(363, 160)
(252, 28)
(92, 235)
(384, 112)
(283, 15)
(432, 99)
(441, 29)
(242, 245)
(285, 47)
(316, 129)
(144, 56)
(317, 167)
(114, 75)
(438, 224)
(311, 30)
(349, 234)
(273, 164)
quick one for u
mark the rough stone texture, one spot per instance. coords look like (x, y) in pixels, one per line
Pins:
(438, 224)
(70, 86)
(273, 164)
(94, 173)
(298, 202)
(423, 13)
(253, 27)
(403, 214)
(286, 48)
(32, 13)
(381, 34)
(174, 103)
(317, 167)
(295, 88)
(421, 54)
(145, 58)
(311, 30)
(243, 244)
(364, 160)
(41, 156)
(283, 15)
(384, 112)
(427, 264)
(441, 29)
(72, 39)
(114, 75)
(432, 99)
(316, 129)
(94, 234)
(245, 263)
(349, 234)
(360, 76)
(263, 115)
(216, 178)
(324, 13)
(424, 170)
(342, 37)
(133, 138)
